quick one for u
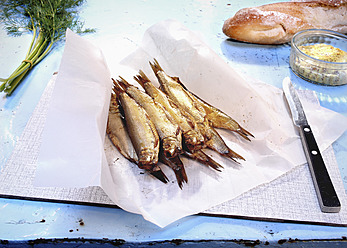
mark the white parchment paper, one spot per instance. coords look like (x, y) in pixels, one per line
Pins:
(72, 151)
(258, 107)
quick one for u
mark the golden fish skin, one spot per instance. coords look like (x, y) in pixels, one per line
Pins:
(142, 132)
(216, 143)
(192, 138)
(169, 133)
(219, 119)
(176, 92)
(203, 158)
(118, 133)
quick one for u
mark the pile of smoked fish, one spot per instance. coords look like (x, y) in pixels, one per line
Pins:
(152, 125)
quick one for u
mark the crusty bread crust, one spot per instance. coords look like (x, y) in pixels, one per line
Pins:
(277, 23)
(327, 2)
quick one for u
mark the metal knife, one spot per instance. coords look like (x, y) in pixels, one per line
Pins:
(327, 197)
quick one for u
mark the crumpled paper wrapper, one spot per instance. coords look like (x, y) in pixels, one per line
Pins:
(73, 152)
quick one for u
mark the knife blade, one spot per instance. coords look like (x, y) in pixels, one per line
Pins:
(327, 197)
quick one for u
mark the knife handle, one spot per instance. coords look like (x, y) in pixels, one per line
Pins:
(328, 200)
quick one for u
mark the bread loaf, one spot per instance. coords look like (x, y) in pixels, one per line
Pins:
(276, 23)
(327, 2)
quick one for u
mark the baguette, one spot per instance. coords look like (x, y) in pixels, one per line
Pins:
(277, 23)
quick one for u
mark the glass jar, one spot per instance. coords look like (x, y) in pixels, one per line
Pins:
(317, 70)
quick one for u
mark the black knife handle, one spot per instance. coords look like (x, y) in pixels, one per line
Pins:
(328, 200)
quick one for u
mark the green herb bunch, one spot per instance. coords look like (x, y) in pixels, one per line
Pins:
(47, 20)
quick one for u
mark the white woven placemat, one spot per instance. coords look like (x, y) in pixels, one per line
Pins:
(290, 197)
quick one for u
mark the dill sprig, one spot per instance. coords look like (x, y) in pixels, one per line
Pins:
(47, 21)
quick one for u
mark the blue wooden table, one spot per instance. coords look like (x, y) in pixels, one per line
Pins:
(28, 223)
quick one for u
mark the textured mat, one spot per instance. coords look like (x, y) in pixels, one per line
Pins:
(290, 197)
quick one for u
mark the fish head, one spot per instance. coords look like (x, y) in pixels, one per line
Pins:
(193, 141)
(171, 147)
(147, 159)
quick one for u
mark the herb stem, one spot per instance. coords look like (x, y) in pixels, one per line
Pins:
(47, 21)
(32, 40)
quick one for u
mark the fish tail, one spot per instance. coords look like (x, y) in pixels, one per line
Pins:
(123, 83)
(177, 166)
(233, 155)
(142, 79)
(244, 133)
(204, 159)
(159, 174)
(117, 89)
(155, 66)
